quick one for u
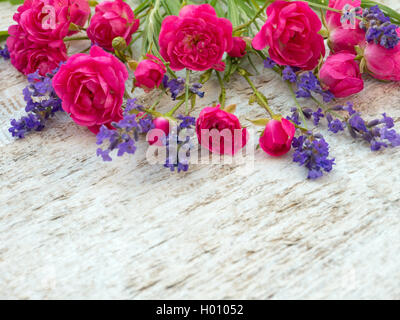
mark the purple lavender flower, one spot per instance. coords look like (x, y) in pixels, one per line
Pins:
(317, 116)
(289, 75)
(195, 88)
(336, 125)
(126, 132)
(312, 151)
(177, 87)
(379, 29)
(5, 53)
(269, 63)
(41, 104)
(295, 117)
(179, 145)
(378, 132)
(308, 83)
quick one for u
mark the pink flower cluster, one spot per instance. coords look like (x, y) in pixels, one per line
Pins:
(92, 86)
(381, 63)
(36, 42)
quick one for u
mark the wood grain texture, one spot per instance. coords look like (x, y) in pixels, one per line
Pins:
(74, 227)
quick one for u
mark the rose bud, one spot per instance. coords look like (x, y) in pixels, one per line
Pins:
(342, 37)
(277, 137)
(291, 33)
(220, 131)
(382, 63)
(341, 74)
(238, 49)
(112, 19)
(156, 136)
(149, 73)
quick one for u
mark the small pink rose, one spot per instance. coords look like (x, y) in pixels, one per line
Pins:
(27, 56)
(333, 18)
(79, 11)
(238, 49)
(196, 39)
(220, 131)
(342, 37)
(91, 87)
(382, 63)
(149, 73)
(340, 73)
(112, 19)
(277, 137)
(291, 33)
(162, 130)
(46, 20)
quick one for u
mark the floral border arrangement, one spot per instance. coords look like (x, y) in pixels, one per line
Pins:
(216, 39)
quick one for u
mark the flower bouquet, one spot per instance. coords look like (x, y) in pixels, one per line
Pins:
(321, 49)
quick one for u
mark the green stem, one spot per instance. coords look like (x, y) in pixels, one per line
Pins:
(326, 109)
(187, 85)
(76, 38)
(174, 109)
(299, 109)
(261, 99)
(260, 11)
(222, 97)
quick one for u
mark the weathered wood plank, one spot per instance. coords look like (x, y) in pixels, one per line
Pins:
(74, 227)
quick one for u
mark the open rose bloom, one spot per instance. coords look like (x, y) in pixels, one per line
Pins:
(112, 19)
(196, 39)
(291, 33)
(91, 87)
(220, 131)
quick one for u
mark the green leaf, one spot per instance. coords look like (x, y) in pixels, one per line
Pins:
(3, 35)
(259, 122)
(231, 108)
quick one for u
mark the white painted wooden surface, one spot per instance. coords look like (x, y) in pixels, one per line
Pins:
(74, 227)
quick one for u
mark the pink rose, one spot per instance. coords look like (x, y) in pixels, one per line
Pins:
(333, 18)
(79, 11)
(162, 130)
(238, 49)
(291, 32)
(277, 137)
(149, 73)
(27, 56)
(92, 88)
(342, 37)
(220, 131)
(340, 73)
(46, 20)
(382, 63)
(196, 39)
(112, 19)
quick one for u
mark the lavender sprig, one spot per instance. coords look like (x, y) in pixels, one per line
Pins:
(125, 133)
(179, 145)
(379, 133)
(177, 87)
(5, 53)
(307, 83)
(312, 152)
(41, 104)
(379, 29)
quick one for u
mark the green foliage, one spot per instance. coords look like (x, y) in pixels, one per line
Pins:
(13, 1)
